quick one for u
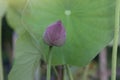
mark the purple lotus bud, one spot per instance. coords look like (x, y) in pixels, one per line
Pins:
(55, 34)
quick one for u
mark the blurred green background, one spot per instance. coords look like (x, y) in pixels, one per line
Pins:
(98, 69)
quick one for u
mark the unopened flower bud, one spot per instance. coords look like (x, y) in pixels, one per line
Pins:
(55, 34)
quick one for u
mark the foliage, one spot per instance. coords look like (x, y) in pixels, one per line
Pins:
(89, 25)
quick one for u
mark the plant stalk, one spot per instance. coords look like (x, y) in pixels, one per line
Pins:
(49, 64)
(56, 73)
(64, 74)
(115, 42)
(69, 72)
(1, 65)
(85, 75)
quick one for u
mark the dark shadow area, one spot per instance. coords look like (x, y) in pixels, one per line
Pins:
(7, 47)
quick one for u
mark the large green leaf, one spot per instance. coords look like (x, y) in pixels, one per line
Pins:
(89, 25)
(26, 59)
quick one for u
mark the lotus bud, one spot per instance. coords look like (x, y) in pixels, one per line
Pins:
(55, 34)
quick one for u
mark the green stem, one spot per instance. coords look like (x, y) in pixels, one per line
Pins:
(56, 73)
(64, 74)
(69, 72)
(49, 64)
(1, 66)
(85, 72)
(115, 43)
